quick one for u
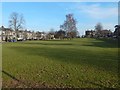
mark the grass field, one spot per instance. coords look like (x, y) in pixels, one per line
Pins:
(84, 63)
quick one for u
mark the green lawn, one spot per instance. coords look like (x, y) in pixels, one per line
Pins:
(84, 63)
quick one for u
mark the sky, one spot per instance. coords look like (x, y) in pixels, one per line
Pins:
(43, 16)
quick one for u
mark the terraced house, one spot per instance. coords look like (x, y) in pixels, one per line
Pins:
(101, 33)
(7, 34)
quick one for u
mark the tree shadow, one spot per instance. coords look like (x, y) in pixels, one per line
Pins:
(72, 56)
(14, 78)
(104, 43)
(44, 43)
(11, 76)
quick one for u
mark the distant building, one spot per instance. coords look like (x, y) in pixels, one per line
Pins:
(106, 33)
(101, 33)
(43, 36)
(38, 35)
(6, 33)
(90, 33)
(9, 34)
(21, 34)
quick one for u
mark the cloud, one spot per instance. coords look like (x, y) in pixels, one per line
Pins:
(89, 14)
(97, 11)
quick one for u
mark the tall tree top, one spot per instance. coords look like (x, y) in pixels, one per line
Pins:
(98, 27)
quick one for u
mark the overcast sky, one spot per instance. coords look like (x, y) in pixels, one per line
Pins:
(42, 16)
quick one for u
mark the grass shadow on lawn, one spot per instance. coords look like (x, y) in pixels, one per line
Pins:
(25, 83)
(104, 43)
(66, 53)
(11, 76)
(19, 83)
(15, 81)
(72, 56)
(46, 43)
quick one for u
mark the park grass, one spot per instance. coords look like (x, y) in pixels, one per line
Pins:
(83, 63)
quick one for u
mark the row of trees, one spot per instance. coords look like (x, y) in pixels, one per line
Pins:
(68, 29)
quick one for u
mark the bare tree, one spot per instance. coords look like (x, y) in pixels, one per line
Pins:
(69, 26)
(16, 22)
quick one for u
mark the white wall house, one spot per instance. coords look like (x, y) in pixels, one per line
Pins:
(29, 35)
(9, 34)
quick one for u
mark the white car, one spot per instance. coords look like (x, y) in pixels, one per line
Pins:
(19, 39)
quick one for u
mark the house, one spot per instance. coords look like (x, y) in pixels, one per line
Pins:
(101, 33)
(43, 36)
(29, 35)
(21, 34)
(90, 33)
(38, 35)
(106, 33)
(7, 33)
(34, 35)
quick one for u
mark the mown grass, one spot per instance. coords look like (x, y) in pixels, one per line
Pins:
(84, 63)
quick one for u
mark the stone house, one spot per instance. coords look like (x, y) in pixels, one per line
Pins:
(90, 33)
(106, 33)
(7, 33)
(101, 33)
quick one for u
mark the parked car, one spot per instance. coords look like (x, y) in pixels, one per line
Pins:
(19, 39)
